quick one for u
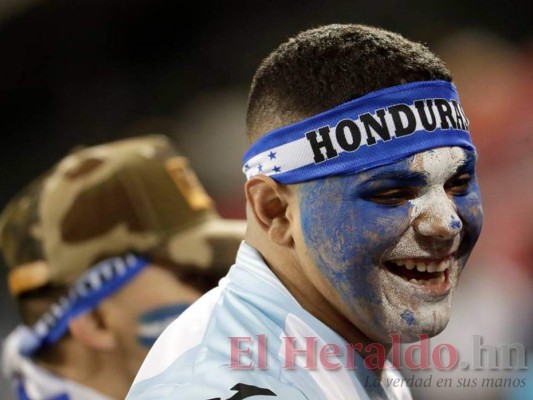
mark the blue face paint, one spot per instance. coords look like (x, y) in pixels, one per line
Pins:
(154, 322)
(351, 223)
(347, 232)
(409, 317)
(455, 223)
(469, 209)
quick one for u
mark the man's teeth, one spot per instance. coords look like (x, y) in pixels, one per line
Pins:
(433, 281)
(421, 266)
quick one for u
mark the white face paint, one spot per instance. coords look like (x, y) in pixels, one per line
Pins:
(428, 246)
(433, 211)
(391, 241)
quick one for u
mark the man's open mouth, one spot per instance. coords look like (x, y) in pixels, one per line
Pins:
(421, 271)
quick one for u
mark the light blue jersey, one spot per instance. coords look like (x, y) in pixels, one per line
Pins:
(31, 382)
(249, 338)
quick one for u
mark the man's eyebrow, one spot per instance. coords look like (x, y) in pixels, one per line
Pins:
(468, 162)
(412, 177)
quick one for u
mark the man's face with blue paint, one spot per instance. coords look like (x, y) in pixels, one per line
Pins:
(387, 245)
(139, 312)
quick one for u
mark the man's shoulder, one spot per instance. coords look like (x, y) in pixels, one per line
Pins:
(205, 333)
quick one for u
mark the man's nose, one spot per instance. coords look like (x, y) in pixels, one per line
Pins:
(437, 216)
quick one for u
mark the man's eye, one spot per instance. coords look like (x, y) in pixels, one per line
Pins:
(394, 197)
(459, 184)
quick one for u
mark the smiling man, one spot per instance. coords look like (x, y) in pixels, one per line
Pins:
(362, 209)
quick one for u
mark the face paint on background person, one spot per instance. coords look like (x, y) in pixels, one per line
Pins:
(355, 226)
(152, 323)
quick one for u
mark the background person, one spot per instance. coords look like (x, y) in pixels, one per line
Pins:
(103, 252)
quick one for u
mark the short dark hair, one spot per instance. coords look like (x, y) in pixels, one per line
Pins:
(324, 67)
(33, 304)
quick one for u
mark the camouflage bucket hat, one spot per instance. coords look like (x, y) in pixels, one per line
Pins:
(135, 195)
(21, 249)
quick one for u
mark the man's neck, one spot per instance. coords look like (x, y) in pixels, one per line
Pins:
(96, 370)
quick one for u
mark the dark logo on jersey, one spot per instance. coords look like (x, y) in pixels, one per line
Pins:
(244, 391)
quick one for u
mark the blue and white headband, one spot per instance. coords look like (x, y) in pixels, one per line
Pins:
(379, 128)
(98, 283)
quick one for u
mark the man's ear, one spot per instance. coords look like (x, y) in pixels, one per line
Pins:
(268, 201)
(90, 330)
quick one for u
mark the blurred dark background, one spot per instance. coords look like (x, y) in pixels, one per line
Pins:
(84, 72)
